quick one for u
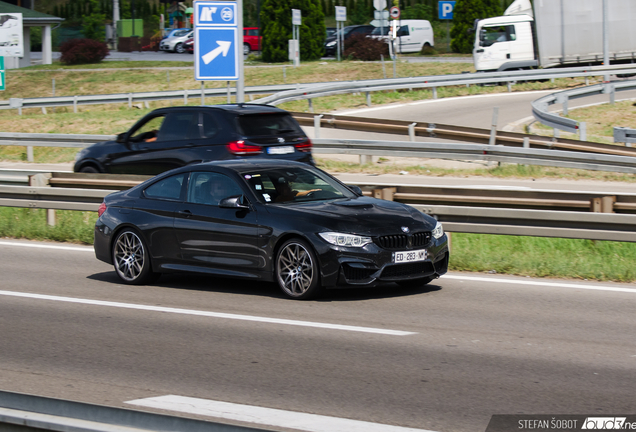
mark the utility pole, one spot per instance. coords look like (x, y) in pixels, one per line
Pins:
(115, 20)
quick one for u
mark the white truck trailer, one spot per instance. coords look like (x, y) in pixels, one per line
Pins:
(552, 33)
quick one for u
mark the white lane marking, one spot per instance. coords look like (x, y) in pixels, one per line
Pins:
(209, 314)
(541, 283)
(45, 246)
(265, 416)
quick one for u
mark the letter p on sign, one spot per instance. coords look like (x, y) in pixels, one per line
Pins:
(446, 9)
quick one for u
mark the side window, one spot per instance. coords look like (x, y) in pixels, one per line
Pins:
(491, 35)
(178, 125)
(168, 188)
(208, 126)
(211, 188)
(147, 132)
(403, 31)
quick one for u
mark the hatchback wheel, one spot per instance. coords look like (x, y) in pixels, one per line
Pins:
(246, 49)
(179, 48)
(131, 259)
(297, 270)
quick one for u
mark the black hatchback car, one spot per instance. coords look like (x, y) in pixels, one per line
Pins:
(347, 32)
(173, 137)
(267, 220)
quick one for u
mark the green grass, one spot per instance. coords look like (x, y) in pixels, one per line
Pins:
(544, 257)
(71, 226)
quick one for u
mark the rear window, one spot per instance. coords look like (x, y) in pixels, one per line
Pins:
(268, 124)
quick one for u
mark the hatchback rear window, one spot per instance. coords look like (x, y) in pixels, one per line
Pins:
(268, 124)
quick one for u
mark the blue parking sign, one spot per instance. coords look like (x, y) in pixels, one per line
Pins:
(446, 9)
(216, 53)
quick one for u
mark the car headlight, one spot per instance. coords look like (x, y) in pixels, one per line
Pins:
(341, 239)
(438, 231)
(330, 44)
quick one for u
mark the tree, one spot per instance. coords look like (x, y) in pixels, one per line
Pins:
(464, 15)
(276, 28)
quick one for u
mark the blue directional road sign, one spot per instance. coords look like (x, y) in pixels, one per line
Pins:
(216, 47)
(446, 9)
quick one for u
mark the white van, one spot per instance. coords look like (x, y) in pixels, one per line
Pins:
(412, 35)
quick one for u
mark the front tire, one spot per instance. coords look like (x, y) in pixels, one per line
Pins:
(179, 48)
(131, 258)
(89, 170)
(297, 271)
(246, 49)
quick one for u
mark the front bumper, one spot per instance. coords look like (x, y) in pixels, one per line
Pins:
(372, 265)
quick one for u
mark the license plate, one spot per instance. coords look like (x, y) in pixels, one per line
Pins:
(280, 150)
(410, 256)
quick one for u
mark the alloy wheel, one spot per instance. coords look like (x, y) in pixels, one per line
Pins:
(129, 256)
(296, 270)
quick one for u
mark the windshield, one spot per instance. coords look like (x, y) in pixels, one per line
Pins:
(294, 184)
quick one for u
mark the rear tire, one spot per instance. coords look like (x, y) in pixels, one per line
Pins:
(89, 170)
(131, 258)
(246, 49)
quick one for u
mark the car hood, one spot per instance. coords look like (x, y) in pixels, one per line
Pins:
(362, 215)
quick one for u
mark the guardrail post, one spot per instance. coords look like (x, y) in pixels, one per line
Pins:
(284, 75)
(369, 99)
(412, 131)
(603, 204)
(16, 103)
(42, 180)
(493, 128)
(612, 94)
(509, 87)
(130, 99)
(75, 104)
(185, 97)
(434, 92)
(229, 97)
(43, 110)
(317, 125)
(202, 92)
(311, 105)
(30, 154)
(582, 131)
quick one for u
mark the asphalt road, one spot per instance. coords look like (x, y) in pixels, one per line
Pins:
(475, 345)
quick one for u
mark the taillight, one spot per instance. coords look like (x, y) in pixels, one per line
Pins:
(240, 148)
(304, 147)
(101, 209)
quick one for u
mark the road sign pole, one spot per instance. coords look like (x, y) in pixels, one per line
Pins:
(240, 83)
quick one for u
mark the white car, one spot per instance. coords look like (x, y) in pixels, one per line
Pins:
(175, 42)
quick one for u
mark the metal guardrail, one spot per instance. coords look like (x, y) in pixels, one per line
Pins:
(542, 114)
(480, 78)
(625, 135)
(565, 214)
(25, 412)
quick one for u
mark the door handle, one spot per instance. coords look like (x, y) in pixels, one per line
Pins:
(186, 213)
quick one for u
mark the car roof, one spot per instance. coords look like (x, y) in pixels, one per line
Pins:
(237, 109)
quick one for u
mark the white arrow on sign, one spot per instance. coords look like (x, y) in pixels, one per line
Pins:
(223, 48)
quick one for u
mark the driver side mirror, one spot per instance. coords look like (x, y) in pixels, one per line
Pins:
(234, 202)
(355, 189)
(121, 138)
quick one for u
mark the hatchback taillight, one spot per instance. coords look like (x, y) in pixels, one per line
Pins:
(304, 147)
(240, 148)
(101, 209)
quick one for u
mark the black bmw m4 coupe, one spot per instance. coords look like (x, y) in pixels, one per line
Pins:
(268, 220)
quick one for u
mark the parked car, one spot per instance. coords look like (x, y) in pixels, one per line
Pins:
(170, 32)
(251, 40)
(411, 35)
(267, 220)
(330, 31)
(189, 45)
(347, 32)
(172, 137)
(175, 42)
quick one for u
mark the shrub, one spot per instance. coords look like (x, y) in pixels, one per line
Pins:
(360, 47)
(428, 50)
(83, 51)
